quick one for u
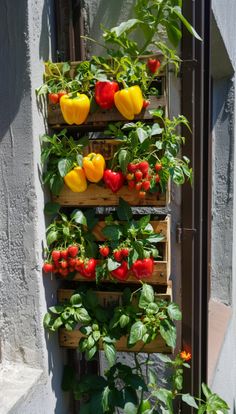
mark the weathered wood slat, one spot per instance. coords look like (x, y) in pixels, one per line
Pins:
(70, 339)
(96, 195)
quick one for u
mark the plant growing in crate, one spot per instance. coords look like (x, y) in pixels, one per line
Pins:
(140, 317)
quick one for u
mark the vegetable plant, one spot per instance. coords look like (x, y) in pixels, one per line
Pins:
(140, 317)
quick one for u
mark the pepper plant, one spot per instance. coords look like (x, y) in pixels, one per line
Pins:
(140, 317)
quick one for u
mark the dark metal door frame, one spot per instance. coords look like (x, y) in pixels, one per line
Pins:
(195, 200)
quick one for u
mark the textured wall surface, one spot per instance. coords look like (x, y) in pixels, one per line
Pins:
(24, 296)
(224, 190)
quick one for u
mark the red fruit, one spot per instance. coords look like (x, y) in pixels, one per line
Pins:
(71, 269)
(129, 176)
(61, 93)
(47, 267)
(125, 251)
(157, 178)
(158, 167)
(53, 98)
(56, 255)
(72, 262)
(132, 167)
(146, 103)
(143, 268)
(144, 166)
(78, 264)
(146, 185)
(73, 250)
(104, 251)
(88, 269)
(113, 180)
(118, 255)
(104, 93)
(63, 264)
(142, 194)
(64, 254)
(138, 186)
(138, 175)
(131, 184)
(121, 273)
(64, 272)
(153, 65)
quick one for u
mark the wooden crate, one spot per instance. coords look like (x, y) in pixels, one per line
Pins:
(70, 339)
(96, 195)
(161, 272)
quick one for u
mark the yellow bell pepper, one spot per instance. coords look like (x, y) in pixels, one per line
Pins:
(129, 101)
(76, 180)
(94, 166)
(75, 110)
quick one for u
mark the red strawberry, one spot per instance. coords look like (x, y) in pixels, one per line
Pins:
(61, 93)
(118, 255)
(73, 250)
(104, 250)
(143, 269)
(138, 175)
(153, 65)
(138, 186)
(72, 262)
(131, 184)
(146, 103)
(121, 273)
(146, 185)
(125, 251)
(63, 264)
(88, 269)
(129, 177)
(47, 267)
(158, 167)
(78, 264)
(53, 98)
(157, 178)
(64, 272)
(56, 255)
(144, 166)
(64, 254)
(132, 167)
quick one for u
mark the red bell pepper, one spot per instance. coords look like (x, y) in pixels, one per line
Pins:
(113, 180)
(143, 268)
(153, 65)
(104, 93)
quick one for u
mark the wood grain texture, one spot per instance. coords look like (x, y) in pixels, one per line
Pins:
(70, 339)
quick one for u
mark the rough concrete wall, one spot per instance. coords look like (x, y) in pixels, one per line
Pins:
(224, 380)
(26, 28)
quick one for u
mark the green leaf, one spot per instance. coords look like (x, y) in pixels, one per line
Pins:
(130, 408)
(152, 376)
(65, 68)
(79, 217)
(156, 129)
(146, 296)
(124, 211)
(52, 236)
(164, 358)
(57, 323)
(82, 315)
(56, 309)
(174, 311)
(112, 265)
(142, 134)
(47, 320)
(155, 238)
(168, 333)
(51, 209)
(144, 221)
(79, 159)
(206, 390)
(188, 399)
(76, 300)
(124, 159)
(90, 352)
(177, 11)
(56, 184)
(110, 352)
(125, 26)
(105, 399)
(112, 232)
(64, 166)
(124, 320)
(173, 32)
(158, 113)
(138, 329)
(178, 175)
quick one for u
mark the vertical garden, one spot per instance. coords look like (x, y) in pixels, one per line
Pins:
(110, 147)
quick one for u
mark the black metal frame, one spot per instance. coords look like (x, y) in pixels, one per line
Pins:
(195, 200)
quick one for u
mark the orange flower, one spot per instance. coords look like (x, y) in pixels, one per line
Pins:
(186, 356)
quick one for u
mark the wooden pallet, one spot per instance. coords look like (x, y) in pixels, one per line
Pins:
(161, 272)
(70, 340)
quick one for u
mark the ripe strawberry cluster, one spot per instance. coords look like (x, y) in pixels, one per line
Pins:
(140, 176)
(141, 268)
(63, 261)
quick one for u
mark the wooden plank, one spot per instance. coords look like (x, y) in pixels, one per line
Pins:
(160, 226)
(159, 276)
(101, 116)
(96, 195)
(104, 298)
(70, 339)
